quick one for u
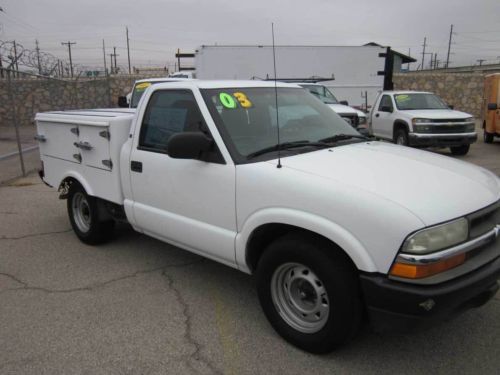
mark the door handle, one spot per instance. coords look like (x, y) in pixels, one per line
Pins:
(377, 115)
(83, 145)
(136, 166)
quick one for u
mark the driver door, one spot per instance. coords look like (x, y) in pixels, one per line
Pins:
(190, 203)
(382, 120)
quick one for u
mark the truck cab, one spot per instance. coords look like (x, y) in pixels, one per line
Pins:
(491, 107)
(421, 119)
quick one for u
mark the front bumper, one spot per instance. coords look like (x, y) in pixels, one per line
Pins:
(400, 307)
(441, 140)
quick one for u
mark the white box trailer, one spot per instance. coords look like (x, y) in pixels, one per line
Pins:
(356, 69)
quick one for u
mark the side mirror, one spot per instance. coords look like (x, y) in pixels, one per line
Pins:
(189, 145)
(344, 102)
(451, 106)
(122, 102)
(385, 108)
(492, 106)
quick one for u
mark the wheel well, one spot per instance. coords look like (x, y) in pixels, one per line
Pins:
(398, 124)
(64, 186)
(262, 236)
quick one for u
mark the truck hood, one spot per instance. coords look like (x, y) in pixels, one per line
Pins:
(344, 109)
(437, 114)
(433, 187)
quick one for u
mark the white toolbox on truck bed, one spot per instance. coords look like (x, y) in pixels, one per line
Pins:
(85, 144)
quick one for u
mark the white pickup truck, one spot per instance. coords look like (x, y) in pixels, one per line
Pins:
(421, 119)
(332, 225)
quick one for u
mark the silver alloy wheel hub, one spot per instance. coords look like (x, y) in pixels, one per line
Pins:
(81, 212)
(300, 297)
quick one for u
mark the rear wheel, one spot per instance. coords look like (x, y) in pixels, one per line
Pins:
(460, 150)
(83, 214)
(401, 137)
(309, 292)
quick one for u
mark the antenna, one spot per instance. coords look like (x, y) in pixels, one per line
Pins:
(276, 100)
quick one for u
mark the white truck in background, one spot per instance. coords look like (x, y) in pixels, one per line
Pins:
(421, 119)
(333, 226)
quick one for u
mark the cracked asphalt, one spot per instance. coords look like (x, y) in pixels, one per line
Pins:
(139, 306)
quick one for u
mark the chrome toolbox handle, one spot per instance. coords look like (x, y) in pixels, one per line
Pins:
(83, 145)
(40, 138)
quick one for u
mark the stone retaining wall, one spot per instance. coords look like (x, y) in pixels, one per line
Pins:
(24, 97)
(463, 90)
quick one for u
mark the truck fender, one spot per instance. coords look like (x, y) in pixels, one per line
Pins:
(73, 175)
(303, 220)
(399, 123)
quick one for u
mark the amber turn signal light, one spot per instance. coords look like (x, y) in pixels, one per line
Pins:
(419, 271)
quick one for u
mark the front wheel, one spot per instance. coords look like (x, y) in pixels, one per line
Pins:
(401, 137)
(309, 292)
(84, 216)
(460, 150)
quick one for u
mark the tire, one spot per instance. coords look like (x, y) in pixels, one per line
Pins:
(460, 150)
(488, 137)
(309, 272)
(83, 212)
(401, 137)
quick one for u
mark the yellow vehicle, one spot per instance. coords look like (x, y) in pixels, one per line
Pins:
(491, 107)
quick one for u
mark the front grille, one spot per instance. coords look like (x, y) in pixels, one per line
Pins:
(448, 120)
(447, 129)
(484, 220)
(351, 119)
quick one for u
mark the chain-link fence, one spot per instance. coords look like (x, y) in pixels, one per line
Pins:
(22, 95)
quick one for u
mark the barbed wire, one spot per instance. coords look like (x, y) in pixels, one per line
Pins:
(15, 54)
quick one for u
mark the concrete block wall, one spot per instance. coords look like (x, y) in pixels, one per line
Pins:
(463, 90)
(24, 97)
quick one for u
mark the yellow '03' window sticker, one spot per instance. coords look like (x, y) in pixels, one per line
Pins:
(142, 86)
(228, 100)
(402, 98)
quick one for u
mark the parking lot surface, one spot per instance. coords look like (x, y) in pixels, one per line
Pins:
(139, 306)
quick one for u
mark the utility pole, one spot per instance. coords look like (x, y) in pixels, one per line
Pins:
(114, 55)
(70, 60)
(449, 47)
(15, 59)
(423, 52)
(104, 56)
(409, 54)
(111, 63)
(38, 57)
(480, 61)
(435, 60)
(128, 51)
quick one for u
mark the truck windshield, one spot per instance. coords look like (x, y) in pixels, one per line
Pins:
(246, 119)
(406, 102)
(322, 93)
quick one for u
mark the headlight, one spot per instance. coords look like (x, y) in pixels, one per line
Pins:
(437, 238)
(421, 120)
(361, 120)
(423, 128)
(469, 119)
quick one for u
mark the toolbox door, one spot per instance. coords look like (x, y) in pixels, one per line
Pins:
(94, 146)
(58, 140)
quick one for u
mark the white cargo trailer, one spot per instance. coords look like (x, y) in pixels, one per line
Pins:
(355, 69)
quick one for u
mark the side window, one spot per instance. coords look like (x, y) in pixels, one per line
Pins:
(385, 102)
(170, 112)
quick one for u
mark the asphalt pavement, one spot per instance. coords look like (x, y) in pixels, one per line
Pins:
(139, 306)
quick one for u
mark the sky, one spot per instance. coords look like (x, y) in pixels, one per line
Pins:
(157, 28)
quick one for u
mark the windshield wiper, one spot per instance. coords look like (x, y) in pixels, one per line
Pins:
(286, 146)
(341, 137)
